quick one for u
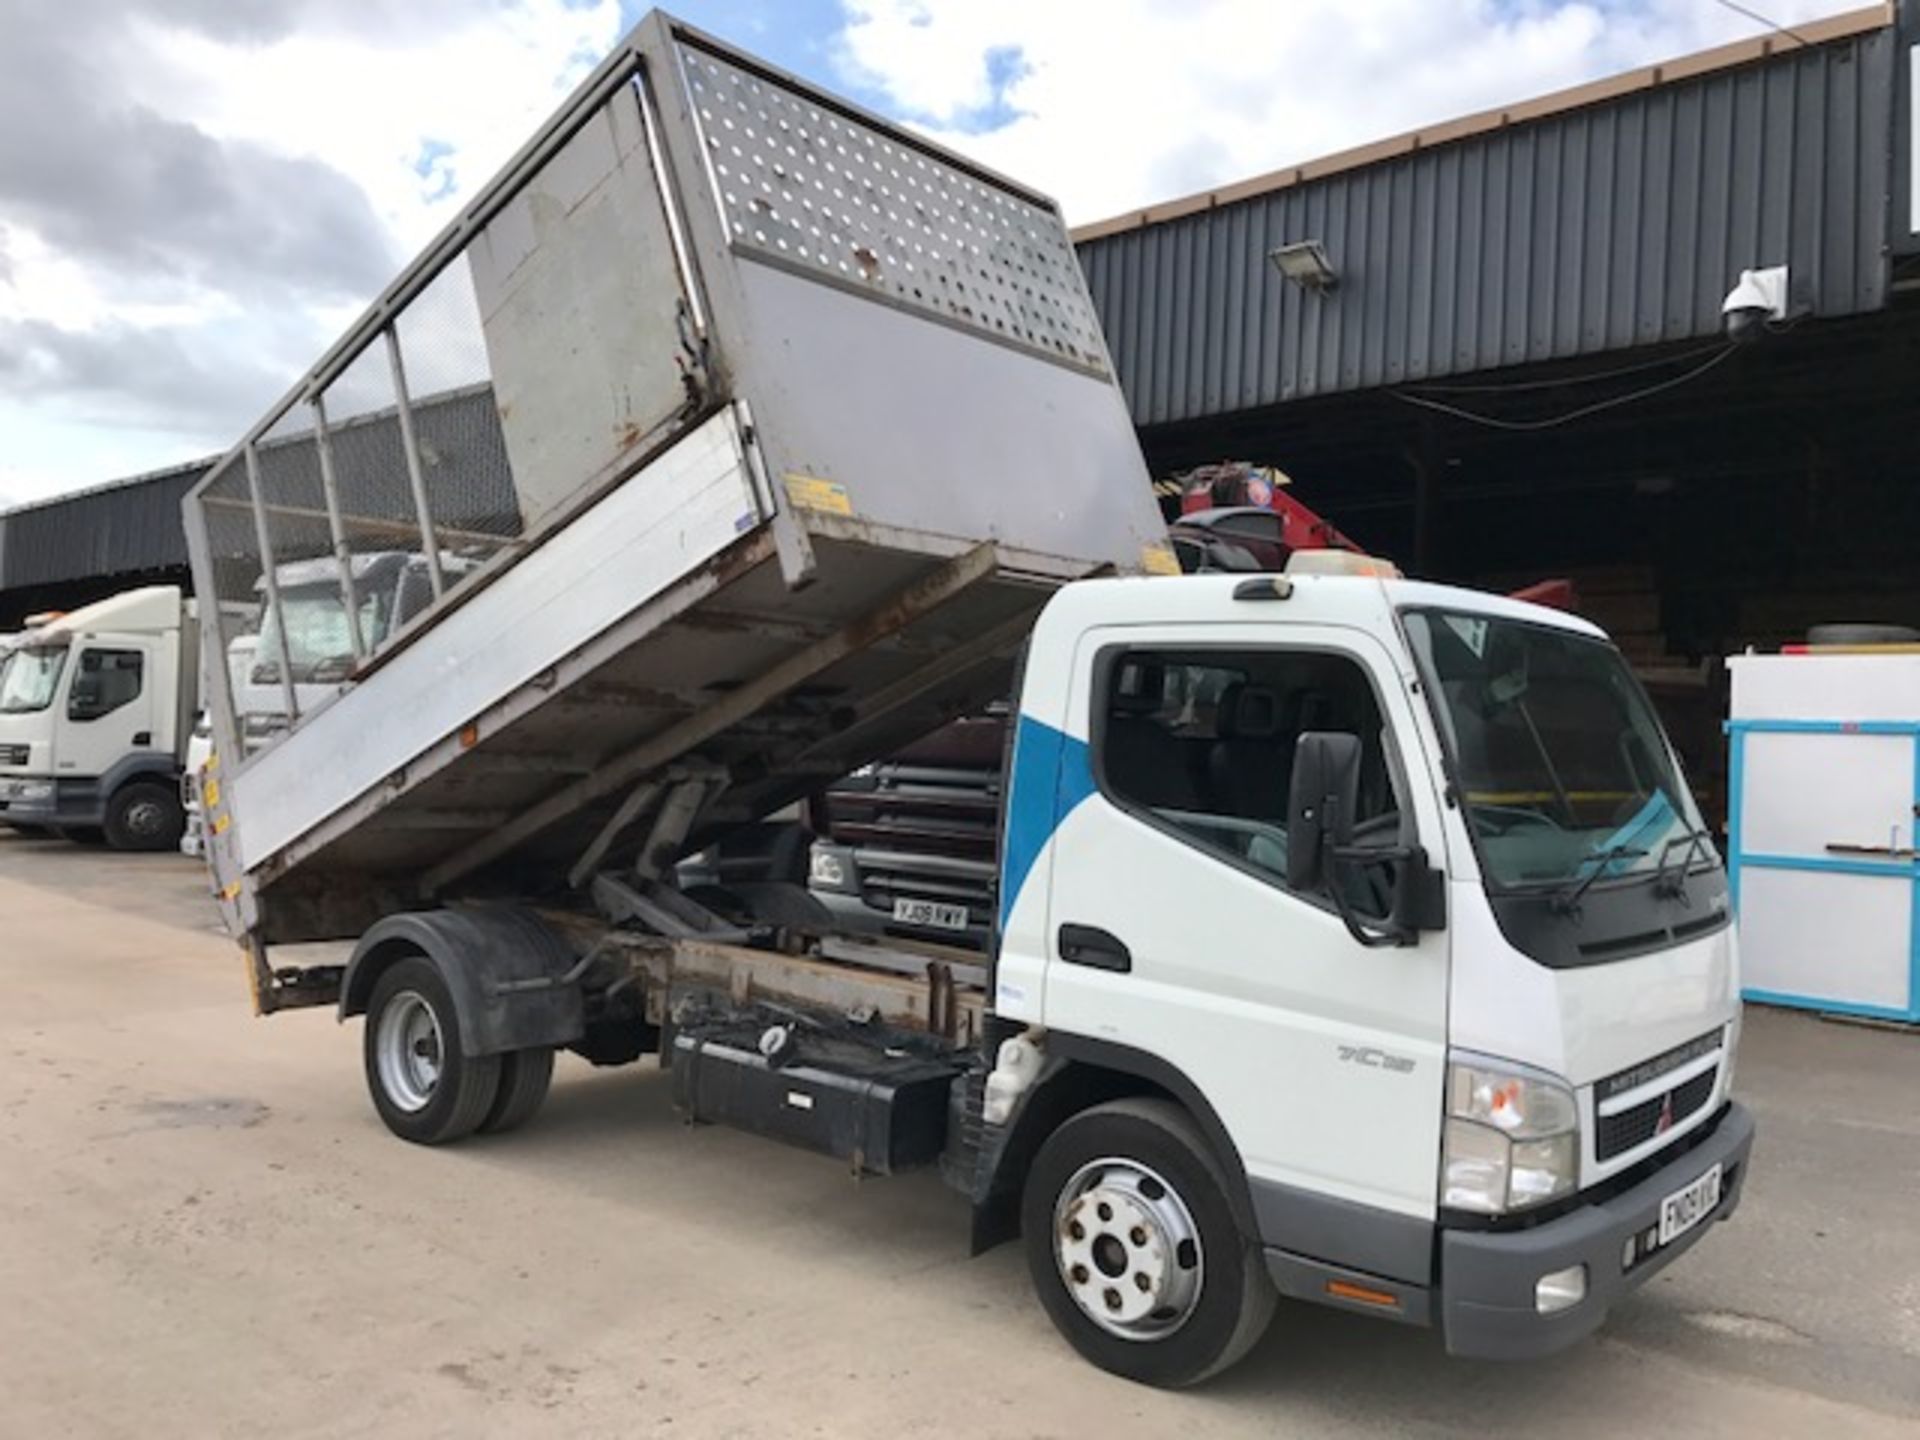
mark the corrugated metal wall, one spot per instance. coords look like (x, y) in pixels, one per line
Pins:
(128, 529)
(1623, 223)
(135, 527)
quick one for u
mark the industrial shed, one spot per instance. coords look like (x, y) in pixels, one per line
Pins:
(1521, 365)
(90, 544)
(93, 543)
(1514, 364)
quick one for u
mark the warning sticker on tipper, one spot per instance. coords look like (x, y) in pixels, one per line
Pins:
(809, 492)
(1159, 560)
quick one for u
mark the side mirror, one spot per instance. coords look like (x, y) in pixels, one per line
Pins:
(1320, 803)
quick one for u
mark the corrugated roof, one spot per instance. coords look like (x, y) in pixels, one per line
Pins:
(1647, 77)
(1616, 224)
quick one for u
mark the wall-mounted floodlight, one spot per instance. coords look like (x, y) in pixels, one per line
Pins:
(1305, 263)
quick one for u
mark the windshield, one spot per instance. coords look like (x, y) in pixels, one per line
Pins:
(28, 680)
(1562, 767)
(319, 645)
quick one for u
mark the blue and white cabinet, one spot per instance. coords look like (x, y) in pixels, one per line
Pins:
(1824, 791)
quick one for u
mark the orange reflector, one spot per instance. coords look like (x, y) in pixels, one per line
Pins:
(1342, 1290)
(469, 736)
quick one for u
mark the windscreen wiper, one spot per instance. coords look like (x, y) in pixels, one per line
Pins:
(1567, 901)
(1671, 884)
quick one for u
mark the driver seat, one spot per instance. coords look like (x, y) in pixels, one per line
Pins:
(1248, 769)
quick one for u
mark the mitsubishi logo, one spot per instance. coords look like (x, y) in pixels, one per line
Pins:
(1665, 1122)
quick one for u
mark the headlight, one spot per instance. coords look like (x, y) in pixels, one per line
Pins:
(1512, 1138)
(826, 869)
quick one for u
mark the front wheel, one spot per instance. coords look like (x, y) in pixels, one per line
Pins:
(145, 815)
(1133, 1246)
(425, 1086)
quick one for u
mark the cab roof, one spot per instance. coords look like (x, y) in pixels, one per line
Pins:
(1365, 601)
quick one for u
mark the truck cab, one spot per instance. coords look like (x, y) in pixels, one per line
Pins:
(307, 631)
(1398, 889)
(93, 718)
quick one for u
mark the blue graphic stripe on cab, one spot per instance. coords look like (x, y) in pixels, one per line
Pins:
(1052, 773)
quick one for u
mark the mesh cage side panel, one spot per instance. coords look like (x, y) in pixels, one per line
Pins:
(813, 189)
(456, 420)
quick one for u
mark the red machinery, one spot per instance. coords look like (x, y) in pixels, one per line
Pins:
(1237, 482)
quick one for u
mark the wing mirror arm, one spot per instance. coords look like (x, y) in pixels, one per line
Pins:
(1321, 803)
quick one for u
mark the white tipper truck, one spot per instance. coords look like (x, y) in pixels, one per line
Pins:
(95, 709)
(1359, 940)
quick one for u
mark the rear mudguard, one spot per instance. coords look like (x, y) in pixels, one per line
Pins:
(504, 968)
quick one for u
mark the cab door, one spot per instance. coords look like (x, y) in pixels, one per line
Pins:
(1172, 930)
(109, 710)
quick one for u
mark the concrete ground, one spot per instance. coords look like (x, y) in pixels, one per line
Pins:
(204, 1231)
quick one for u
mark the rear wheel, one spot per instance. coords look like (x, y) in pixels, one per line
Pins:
(1133, 1246)
(425, 1086)
(145, 815)
(524, 1078)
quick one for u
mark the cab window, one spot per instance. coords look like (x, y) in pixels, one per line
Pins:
(1201, 743)
(105, 681)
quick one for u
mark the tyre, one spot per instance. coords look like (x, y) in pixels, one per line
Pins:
(145, 815)
(1133, 1246)
(1863, 635)
(426, 1088)
(524, 1078)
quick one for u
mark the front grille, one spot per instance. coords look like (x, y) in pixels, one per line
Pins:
(14, 754)
(1616, 1134)
(1647, 1071)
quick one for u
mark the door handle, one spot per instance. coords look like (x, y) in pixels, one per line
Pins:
(1090, 946)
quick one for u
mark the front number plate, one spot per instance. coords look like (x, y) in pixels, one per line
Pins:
(930, 912)
(1684, 1209)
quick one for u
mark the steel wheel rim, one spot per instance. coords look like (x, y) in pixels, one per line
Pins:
(1128, 1249)
(409, 1051)
(145, 818)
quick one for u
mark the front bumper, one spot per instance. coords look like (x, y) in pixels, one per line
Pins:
(67, 804)
(1487, 1278)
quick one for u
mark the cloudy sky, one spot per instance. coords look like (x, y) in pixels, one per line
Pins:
(196, 196)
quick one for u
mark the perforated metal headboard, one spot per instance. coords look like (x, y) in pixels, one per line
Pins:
(809, 187)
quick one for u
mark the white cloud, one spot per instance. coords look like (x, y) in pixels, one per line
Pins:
(199, 194)
(365, 96)
(368, 100)
(1130, 102)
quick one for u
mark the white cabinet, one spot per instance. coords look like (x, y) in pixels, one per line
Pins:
(1824, 797)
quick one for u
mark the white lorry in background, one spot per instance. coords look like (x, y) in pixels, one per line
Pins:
(1357, 939)
(312, 621)
(239, 656)
(309, 629)
(95, 711)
